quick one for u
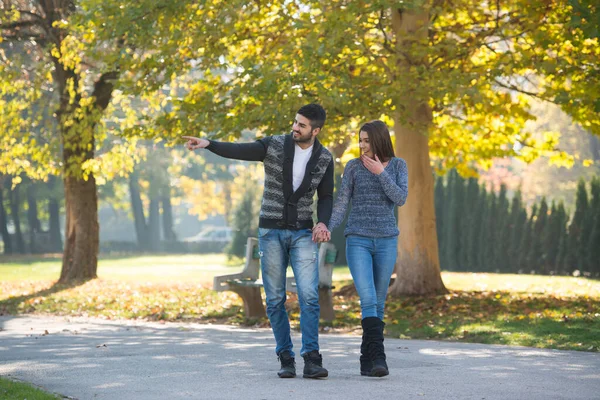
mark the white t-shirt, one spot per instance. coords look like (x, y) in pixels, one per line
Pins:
(301, 157)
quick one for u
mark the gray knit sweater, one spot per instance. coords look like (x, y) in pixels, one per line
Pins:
(373, 198)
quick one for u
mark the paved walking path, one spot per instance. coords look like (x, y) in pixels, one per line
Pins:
(95, 359)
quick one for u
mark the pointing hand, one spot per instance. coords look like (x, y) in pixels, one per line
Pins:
(194, 143)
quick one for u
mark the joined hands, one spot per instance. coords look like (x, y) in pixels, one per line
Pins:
(320, 233)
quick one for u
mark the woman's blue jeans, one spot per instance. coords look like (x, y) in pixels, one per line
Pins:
(278, 248)
(371, 262)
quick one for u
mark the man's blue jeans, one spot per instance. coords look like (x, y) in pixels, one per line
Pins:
(278, 248)
(371, 262)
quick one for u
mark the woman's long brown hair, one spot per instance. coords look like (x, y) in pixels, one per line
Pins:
(379, 139)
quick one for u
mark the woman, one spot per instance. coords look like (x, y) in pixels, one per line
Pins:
(375, 184)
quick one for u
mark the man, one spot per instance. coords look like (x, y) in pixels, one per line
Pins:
(296, 166)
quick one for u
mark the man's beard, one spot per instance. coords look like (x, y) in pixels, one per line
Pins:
(301, 138)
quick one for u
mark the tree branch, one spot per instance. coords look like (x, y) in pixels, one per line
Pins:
(385, 44)
(32, 14)
(517, 89)
(19, 25)
(386, 41)
(103, 89)
(25, 37)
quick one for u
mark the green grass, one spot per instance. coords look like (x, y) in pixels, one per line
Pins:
(528, 310)
(546, 321)
(151, 268)
(554, 285)
(12, 390)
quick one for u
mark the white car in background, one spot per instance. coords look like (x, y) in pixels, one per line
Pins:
(222, 234)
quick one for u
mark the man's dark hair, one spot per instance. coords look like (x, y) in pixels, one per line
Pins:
(315, 113)
(379, 139)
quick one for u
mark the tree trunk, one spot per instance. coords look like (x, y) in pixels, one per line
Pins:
(154, 222)
(56, 244)
(417, 267)
(227, 202)
(82, 236)
(167, 214)
(80, 258)
(78, 125)
(3, 223)
(77, 121)
(595, 147)
(35, 226)
(14, 203)
(139, 219)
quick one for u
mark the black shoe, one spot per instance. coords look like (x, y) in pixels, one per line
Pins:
(380, 368)
(288, 365)
(366, 364)
(313, 365)
(373, 328)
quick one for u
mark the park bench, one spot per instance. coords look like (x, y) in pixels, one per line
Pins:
(247, 283)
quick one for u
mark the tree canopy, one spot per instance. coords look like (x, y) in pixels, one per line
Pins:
(461, 73)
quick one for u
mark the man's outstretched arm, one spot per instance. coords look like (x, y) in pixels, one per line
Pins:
(255, 151)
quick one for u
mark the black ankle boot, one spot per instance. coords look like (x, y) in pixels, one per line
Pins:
(366, 365)
(373, 328)
(288, 365)
(313, 365)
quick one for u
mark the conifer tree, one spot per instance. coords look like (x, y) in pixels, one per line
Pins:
(594, 239)
(473, 223)
(481, 227)
(586, 232)
(516, 229)
(464, 220)
(452, 228)
(594, 247)
(440, 206)
(562, 255)
(551, 239)
(501, 231)
(595, 196)
(535, 249)
(487, 234)
(564, 220)
(575, 251)
(524, 264)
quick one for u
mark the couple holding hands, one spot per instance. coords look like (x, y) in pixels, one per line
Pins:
(296, 167)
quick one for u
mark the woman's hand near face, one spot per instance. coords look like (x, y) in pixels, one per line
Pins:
(375, 166)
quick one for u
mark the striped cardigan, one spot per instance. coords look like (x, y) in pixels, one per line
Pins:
(282, 208)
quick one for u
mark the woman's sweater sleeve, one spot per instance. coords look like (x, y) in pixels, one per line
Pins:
(343, 199)
(396, 187)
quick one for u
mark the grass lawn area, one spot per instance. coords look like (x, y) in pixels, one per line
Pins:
(529, 310)
(197, 268)
(174, 268)
(12, 390)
